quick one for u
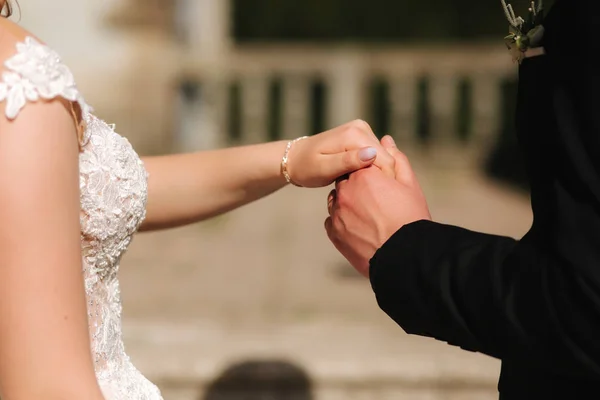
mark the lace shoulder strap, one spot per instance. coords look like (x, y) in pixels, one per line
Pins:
(36, 72)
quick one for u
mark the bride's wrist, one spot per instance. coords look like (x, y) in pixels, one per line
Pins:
(288, 154)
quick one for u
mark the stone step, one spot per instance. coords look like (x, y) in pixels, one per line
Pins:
(341, 392)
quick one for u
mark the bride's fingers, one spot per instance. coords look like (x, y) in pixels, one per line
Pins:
(361, 149)
(336, 165)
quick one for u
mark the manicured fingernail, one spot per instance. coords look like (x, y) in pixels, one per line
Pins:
(367, 154)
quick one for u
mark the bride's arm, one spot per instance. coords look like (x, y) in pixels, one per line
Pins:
(188, 188)
(44, 345)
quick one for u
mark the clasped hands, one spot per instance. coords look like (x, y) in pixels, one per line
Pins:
(368, 206)
(378, 194)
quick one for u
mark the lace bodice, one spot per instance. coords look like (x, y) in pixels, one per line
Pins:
(113, 190)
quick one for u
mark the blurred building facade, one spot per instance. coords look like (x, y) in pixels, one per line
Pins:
(170, 74)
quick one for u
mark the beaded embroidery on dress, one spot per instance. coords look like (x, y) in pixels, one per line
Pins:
(113, 192)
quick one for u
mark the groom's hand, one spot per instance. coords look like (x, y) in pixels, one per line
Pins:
(366, 209)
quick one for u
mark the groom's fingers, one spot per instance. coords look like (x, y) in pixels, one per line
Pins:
(341, 183)
(328, 226)
(332, 235)
(331, 201)
(388, 142)
(403, 169)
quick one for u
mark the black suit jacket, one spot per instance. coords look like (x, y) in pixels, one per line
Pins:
(533, 303)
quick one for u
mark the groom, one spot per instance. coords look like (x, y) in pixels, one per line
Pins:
(533, 303)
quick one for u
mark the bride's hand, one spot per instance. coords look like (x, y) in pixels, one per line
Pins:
(319, 160)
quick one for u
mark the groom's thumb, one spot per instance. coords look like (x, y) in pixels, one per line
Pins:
(388, 142)
(403, 169)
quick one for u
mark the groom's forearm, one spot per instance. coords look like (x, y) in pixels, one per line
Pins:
(491, 294)
(188, 188)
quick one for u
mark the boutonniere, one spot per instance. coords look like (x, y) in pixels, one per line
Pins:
(525, 35)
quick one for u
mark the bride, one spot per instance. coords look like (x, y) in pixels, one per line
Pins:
(73, 193)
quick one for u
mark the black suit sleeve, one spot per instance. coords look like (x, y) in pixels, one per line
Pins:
(486, 293)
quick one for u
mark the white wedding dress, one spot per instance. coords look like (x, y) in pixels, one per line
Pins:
(113, 187)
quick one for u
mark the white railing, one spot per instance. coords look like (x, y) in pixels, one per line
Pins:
(151, 110)
(346, 73)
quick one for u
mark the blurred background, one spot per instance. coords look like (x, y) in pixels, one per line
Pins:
(257, 304)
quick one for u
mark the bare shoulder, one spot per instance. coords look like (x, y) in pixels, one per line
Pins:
(36, 98)
(32, 74)
(10, 35)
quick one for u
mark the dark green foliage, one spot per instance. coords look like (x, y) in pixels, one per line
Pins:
(373, 20)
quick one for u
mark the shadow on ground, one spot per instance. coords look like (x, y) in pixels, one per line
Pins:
(261, 379)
